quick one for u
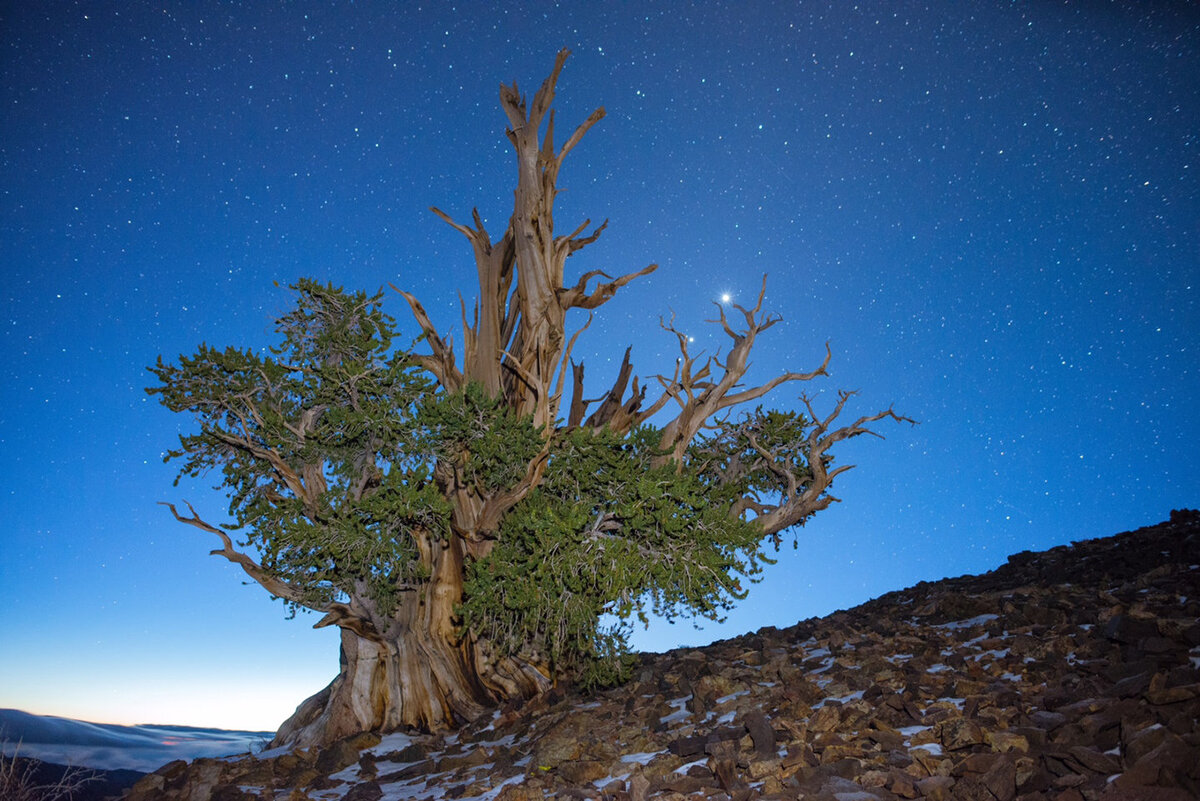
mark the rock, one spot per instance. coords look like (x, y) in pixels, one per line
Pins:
(344, 752)
(901, 785)
(1005, 741)
(935, 788)
(639, 786)
(583, 771)
(762, 734)
(1047, 720)
(561, 744)
(1093, 760)
(1172, 763)
(825, 719)
(365, 791)
(1001, 779)
(960, 733)
(1126, 629)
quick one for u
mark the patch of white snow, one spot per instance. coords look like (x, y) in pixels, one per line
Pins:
(978, 620)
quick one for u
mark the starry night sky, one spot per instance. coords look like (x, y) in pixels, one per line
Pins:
(991, 211)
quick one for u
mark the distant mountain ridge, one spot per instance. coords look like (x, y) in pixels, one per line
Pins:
(107, 746)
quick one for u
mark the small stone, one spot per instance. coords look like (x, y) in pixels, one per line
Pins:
(364, 791)
(1095, 761)
(825, 719)
(1047, 720)
(1142, 742)
(583, 771)
(1169, 761)
(639, 787)
(902, 785)
(1001, 780)
(761, 733)
(980, 762)
(1006, 741)
(1172, 695)
(935, 788)
(888, 738)
(761, 768)
(960, 733)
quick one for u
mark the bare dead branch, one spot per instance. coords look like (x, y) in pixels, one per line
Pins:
(344, 617)
(556, 398)
(758, 392)
(462, 229)
(283, 471)
(802, 499)
(274, 585)
(579, 405)
(578, 297)
(442, 362)
(612, 402)
(583, 128)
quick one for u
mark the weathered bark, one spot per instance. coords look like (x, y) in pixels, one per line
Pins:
(415, 670)
(411, 668)
(418, 680)
(516, 344)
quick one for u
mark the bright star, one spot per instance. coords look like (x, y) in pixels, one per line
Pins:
(726, 297)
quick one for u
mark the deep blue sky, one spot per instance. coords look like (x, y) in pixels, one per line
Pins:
(990, 209)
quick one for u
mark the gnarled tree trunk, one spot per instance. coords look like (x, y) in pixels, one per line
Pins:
(413, 668)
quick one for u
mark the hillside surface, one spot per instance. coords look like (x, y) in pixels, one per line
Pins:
(1069, 674)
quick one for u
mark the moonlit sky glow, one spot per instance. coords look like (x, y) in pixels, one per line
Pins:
(990, 210)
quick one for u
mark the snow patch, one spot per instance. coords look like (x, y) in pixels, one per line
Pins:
(978, 620)
(845, 699)
(911, 731)
(680, 712)
(396, 741)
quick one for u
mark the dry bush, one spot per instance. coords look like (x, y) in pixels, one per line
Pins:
(22, 780)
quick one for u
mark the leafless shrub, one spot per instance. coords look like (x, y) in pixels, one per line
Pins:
(21, 779)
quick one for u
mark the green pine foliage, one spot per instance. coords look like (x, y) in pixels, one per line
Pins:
(613, 531)
(336, 405)
(608, 533)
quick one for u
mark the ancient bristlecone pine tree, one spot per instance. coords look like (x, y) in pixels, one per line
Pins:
(465, 530)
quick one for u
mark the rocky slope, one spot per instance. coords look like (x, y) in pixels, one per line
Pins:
(1069, 674)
